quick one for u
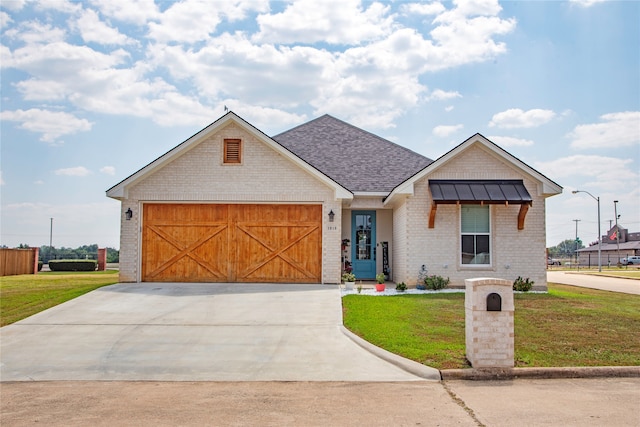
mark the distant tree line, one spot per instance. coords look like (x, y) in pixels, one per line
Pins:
(82, 252)
(565, 249)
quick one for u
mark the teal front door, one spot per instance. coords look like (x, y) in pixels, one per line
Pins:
(363, 236)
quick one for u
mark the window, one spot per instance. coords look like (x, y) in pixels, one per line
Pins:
(476, 234)
(232, 151)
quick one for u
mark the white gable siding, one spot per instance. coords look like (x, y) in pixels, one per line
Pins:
(514, 252)
(200, 176)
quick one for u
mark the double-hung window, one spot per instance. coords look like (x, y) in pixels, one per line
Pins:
(475, 230)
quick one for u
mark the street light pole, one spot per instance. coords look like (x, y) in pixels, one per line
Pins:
(615, 210)
(597, 199)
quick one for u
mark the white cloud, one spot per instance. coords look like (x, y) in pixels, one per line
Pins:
(75, 171)
(348, 22)
(444, 131)
(191, 21)
(5, 20)
(108, 170)
(14, 5)
(617, 130)
(441, 95)
(132, 11)
(449, 108)
(596, 171)
(34, 32)
(64, 6)
(426, 9)
(185, 22)
(586, 3)
(370, 84)
(517, 118)
(93, 29)
(51, 124)
(507, 141)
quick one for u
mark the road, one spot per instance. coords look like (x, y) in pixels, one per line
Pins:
(613, 284)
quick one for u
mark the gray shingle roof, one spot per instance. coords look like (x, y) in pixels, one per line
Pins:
(356, 159)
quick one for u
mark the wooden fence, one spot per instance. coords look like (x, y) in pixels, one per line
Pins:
(18, 261)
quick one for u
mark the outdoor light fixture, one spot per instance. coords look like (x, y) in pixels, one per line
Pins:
(128, 214)
(331, 215)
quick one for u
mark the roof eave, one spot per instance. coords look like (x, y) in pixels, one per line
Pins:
(120, 190)
(547, 188)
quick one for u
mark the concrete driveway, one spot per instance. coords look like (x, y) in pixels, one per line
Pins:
(194, 332)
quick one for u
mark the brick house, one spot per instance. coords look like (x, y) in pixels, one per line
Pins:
(231, 204)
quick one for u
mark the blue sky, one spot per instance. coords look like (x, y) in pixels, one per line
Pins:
(94, 90)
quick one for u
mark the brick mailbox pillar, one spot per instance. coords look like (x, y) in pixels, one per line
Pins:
(489, 313)
(102, 259)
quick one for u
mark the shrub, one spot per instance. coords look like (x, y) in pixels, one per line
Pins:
(436, 282)
(401, 287)
(522, 285)
(421, 287)
(348, 277)
(73, 265)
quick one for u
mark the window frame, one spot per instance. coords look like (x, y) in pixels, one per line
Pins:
(235, 159)
(475, 234)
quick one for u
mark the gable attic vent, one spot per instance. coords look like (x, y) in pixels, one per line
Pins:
(232, 151)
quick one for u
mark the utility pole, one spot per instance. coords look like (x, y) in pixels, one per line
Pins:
(577, 221)
(51, 239)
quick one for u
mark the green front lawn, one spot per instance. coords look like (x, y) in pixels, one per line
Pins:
(25, 295)
(569, 326)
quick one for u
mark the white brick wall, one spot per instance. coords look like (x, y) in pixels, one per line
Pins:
(514, 252)
(198, 175)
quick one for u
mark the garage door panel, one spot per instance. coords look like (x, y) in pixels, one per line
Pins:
(236, 243)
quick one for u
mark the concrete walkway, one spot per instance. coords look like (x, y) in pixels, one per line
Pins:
(194, 332)
(612, 284)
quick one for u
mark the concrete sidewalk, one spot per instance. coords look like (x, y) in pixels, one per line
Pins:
(613, 284)
(194, 332)
(578, 402)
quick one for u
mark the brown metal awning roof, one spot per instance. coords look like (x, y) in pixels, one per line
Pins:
(482, 191)
(479, 191)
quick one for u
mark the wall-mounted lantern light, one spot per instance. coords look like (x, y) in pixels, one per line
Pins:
(331, 215)
(128, 214)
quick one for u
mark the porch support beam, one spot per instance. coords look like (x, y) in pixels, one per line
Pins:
(432, 215)
(524, 208)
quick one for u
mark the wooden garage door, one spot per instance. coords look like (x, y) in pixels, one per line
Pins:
(232, 243)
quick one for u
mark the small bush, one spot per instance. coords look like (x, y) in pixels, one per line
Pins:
(522, 285)
(421, 287)
(401, 287)
(436, 282)
(348, 277)
(73, 265)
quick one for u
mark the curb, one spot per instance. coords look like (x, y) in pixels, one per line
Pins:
(415, 368)
(541, 373)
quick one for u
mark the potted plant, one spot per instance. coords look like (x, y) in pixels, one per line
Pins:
(349, 280)
(380, 286)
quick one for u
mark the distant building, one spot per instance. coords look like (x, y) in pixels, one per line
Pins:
(618, 243)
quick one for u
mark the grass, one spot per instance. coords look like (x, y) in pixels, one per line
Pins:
(568, 326)
(25, 295)
(632, 274)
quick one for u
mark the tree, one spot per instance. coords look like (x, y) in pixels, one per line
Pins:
(565, 249)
